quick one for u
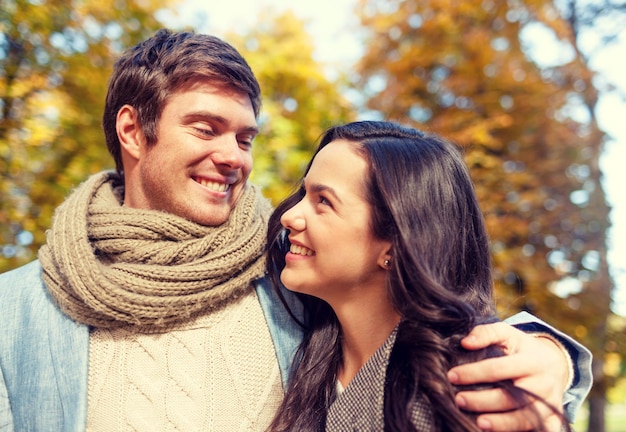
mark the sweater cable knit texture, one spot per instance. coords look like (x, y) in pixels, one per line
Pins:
(217, 373)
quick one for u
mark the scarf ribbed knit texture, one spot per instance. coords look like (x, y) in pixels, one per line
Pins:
(109, 266)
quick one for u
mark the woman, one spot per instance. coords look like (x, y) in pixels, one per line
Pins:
(387, 245)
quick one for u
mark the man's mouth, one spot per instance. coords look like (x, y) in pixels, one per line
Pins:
(300, 250)
(212, 185)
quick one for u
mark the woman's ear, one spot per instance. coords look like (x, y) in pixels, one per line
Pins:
(385, 258)
(129, 132)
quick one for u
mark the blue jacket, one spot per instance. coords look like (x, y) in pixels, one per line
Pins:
(44, 354)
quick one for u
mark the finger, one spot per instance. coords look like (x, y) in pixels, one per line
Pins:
(484, 335)
(521, 420)
(488, 400)
(488, 370)
(505, 422)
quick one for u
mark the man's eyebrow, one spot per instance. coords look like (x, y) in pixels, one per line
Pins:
(208, 116)
(318, 187)
(250, 129)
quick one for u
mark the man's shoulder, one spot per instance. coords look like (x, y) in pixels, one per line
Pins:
(40, 345)
(31, 267)
(24, 298)
(21, 291)
(21, 281)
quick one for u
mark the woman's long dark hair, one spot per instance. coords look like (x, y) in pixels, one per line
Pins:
(440, 281)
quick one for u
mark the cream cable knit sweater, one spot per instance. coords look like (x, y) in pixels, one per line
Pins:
(218, 373)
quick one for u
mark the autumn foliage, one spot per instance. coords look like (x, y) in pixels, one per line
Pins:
(466, 70)
(463, 69)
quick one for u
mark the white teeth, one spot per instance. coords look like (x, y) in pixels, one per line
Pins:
(214, 186)
(300, 250)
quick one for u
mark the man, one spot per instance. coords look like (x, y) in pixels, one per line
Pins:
(147, 308)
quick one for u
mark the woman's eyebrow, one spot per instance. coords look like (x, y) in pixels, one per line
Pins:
(319, 187)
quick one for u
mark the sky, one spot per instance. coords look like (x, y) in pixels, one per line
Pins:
(333, 28)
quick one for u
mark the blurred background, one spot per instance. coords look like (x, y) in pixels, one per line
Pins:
(534, 90)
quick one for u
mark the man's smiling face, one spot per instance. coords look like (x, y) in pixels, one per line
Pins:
(199, 166)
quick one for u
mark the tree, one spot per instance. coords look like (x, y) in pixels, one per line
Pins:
(466, 70)
(55, 58)
(55, 61)
(605, 19)
(299, 101)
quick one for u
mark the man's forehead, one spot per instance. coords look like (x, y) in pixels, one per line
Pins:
(238, 105)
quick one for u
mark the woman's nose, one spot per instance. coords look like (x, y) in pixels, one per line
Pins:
(293, 219)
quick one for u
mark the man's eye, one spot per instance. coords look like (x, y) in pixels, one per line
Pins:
(245, 141)
(204, 132)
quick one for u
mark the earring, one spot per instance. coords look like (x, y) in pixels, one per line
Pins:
(387, 263)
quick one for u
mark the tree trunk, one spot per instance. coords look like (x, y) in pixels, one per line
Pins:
(597, 397)
(596, 414)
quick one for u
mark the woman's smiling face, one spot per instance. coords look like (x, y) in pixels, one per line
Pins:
(333, 251)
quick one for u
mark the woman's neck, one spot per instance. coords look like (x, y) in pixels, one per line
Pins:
(364, 329)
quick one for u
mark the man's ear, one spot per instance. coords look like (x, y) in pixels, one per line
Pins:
(129, 131)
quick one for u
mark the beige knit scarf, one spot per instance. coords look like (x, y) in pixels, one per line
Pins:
(108, 266)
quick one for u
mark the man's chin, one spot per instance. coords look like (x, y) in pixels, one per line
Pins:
(212, 217)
